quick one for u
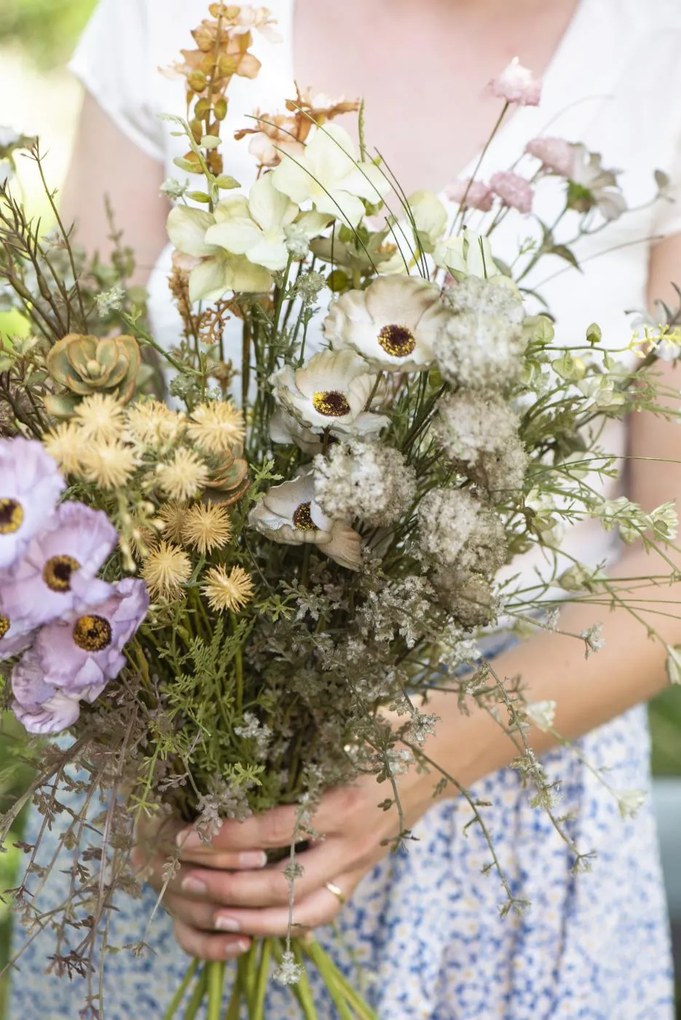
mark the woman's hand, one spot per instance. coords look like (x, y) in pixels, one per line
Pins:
(226, 887)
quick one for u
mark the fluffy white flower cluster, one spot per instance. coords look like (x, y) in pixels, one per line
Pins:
(482, 344)
(364, 479)
(478, 429)
(465, 543)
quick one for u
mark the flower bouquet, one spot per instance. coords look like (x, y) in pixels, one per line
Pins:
(242, 597)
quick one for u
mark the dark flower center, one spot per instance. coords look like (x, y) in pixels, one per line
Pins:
(11, 516)
(57, 572)
(4, 626)
(92, 633)
(397, 341)
(331, 403)
(302, 518)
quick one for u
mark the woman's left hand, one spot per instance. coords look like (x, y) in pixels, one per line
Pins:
(356, 832)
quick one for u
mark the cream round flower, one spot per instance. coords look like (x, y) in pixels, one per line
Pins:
(100, 416)
(393, 323)
(166, 569)
(289, 513)
(110, 464)
(184, 476)
(171, 518)
(331, 392)
(227, 590)
(216, 426)
(66, 444)
(206, 527)
(151, 423)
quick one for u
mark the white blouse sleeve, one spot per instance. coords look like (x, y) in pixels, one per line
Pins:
(113, 61)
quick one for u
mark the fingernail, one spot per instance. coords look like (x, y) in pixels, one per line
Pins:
(227, 923)
(194, 885)
(236, 948)
(252, 859)
(189, 839)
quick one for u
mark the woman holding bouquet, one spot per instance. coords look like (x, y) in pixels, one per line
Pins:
(424, 924)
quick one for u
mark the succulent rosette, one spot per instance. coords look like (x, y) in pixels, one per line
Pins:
(289, 513)
(330, 392)
(30, 485)
(393, 323)
(37, 705)
(56, 575)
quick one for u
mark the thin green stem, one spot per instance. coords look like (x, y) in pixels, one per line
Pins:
(198, 995)
(216, 983)
(177, 998)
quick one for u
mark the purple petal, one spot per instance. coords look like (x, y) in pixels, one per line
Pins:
(28, 685)
(52, 716)
(82, 535)
(30, 477)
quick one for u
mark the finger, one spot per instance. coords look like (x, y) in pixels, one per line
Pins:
(270, 830)
(317, 909)
(171, 875)
(270, 887)
(205, 946)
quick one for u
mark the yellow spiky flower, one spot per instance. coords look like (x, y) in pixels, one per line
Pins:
(172, 515)
(227, 591)
(151, 423)
(166, 569)
(184, 476)
(206, 527)
(217, 426)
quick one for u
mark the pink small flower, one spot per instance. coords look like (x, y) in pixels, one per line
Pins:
(513, 190)
(516, 84)
(470, 194)
(555, 155)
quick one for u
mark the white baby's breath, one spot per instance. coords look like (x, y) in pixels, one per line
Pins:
(364, 479)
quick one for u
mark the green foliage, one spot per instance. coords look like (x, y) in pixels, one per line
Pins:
(46, 29)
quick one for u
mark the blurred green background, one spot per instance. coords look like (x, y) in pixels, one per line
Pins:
(38, 96)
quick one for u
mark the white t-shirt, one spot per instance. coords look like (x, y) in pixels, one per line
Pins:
(614, 83)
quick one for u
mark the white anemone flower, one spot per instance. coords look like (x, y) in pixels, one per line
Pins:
(330, 175)
(260, 230)
(330, 392)
(393, 323)
(597, 186)
(289, 513)
(217, 270)
(466, 254)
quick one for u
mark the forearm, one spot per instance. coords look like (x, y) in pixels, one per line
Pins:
(630, 668)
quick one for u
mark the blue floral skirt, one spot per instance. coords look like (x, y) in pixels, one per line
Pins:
(424, 928)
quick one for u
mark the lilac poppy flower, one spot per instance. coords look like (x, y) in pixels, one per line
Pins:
(85, 651)
(37, 705)
(42, 586)
(30, 485)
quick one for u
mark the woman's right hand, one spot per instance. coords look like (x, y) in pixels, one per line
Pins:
(157, 853)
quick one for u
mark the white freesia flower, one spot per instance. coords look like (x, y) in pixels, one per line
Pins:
(329, 392)
(541, 714)
(330, 175)
(289, 513)
(597, 186)
(217, 270)
(466, 254)
(630, 801)
(417, 233)
(393, 323)
(259, 230)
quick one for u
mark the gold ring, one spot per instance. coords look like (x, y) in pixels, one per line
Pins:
(337, 892)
